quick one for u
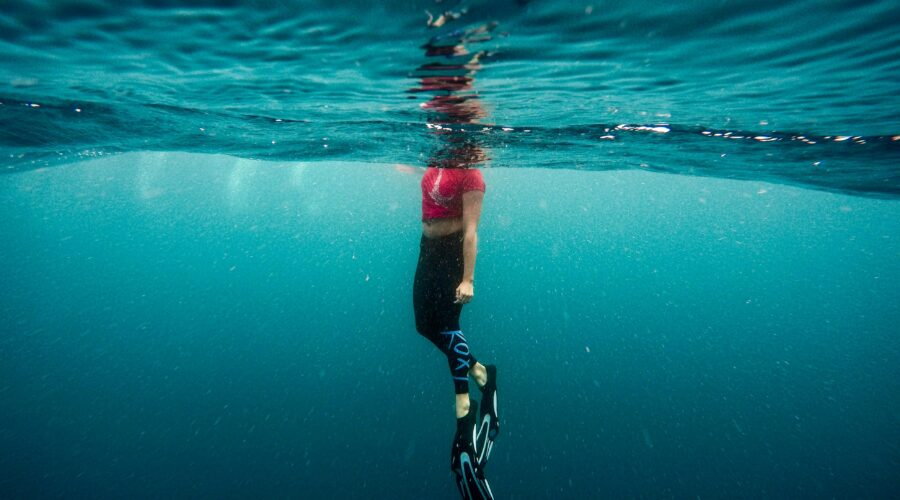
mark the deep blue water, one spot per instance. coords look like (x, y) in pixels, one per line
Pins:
(688, 268)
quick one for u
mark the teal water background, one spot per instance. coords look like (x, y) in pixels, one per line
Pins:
(204, 326)
(688, 268)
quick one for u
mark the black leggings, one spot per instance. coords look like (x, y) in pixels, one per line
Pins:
(438, 273)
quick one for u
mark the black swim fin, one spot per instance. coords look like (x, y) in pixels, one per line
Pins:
(489, 420)
(463, 460)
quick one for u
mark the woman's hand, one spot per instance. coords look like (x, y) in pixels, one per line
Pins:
(464, 292)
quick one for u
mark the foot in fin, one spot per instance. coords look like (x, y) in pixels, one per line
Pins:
(464, 462)
(489, 420)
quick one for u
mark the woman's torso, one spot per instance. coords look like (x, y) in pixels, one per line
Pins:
(442, 204)
(435, 228)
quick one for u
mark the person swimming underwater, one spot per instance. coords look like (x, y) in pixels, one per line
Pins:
(444, 281)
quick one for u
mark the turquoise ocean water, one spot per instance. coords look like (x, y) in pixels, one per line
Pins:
(688, 268)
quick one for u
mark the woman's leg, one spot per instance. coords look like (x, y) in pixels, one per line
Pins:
(438, 273)
(479, 374)
(461, 363)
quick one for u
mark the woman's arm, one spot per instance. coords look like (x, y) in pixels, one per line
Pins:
(471, 214)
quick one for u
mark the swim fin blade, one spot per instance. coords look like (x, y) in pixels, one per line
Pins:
(464, 459)
(488, 421)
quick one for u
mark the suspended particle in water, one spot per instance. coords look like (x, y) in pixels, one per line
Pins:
(647, 440)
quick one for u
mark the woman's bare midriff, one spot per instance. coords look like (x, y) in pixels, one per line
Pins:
(435, 228)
